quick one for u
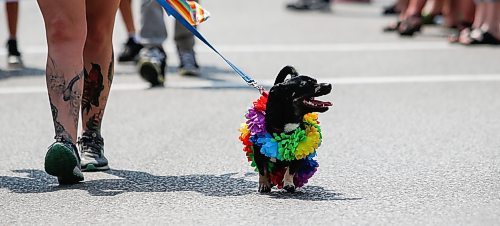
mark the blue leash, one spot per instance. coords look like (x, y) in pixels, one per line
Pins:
(171, 11)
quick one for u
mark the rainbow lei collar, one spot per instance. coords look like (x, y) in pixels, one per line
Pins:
(299, 144)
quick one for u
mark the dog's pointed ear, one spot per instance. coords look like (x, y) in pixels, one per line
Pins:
(287, 70)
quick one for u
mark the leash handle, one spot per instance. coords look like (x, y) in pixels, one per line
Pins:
(171, 11)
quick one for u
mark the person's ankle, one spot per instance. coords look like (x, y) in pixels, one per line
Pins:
(491, 30)
(495, 34)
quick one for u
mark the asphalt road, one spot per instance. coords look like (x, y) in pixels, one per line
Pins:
(413, 138)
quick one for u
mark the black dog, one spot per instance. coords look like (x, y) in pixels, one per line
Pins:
(288, 101)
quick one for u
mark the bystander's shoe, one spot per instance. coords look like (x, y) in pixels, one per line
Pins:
(152, 64)
(130, 51)
(320, 5)
(188, 65)
(92, 148)
(62, 160)
(14, 60)
(391, 10)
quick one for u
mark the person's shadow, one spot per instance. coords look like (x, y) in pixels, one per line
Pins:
(37, 181)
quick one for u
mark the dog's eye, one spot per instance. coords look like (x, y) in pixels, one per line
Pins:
(303, 83)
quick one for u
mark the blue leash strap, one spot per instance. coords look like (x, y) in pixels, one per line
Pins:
(171, 11)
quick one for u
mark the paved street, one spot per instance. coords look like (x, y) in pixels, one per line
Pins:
(413, 138)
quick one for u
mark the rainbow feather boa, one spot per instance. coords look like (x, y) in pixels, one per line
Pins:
(300, 144)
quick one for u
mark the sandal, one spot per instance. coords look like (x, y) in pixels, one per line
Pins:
(392, 27)
(410, 25)
(485, 38)
(464, 30)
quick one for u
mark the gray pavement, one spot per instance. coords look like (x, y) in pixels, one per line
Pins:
(413, 138)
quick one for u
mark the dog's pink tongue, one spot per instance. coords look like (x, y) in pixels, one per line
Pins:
(321, 103)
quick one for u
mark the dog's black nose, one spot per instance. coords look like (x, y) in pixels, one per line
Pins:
(326, 86)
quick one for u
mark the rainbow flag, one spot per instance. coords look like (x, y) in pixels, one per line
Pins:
(190, 10)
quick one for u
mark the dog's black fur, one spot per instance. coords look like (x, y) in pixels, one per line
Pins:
(288, 101)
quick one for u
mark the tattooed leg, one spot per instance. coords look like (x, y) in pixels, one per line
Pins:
(98, 58)
(66, 31)
(64, 96)
(95, 95)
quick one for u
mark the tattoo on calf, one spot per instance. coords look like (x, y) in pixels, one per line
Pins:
(111, 69)
(55, 81)
(59, 128)
(74, 97)
(69, 92)
(92, 88)
(94, 122)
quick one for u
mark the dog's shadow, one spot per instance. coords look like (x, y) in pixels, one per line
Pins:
(37, 181)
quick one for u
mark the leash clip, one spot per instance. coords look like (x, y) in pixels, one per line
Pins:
(261, 89)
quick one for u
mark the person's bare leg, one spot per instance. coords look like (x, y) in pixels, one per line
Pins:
(404, 9)
(98, 58)
(12, 9)
(480, 15)
(492, 19)
(14, 60)
(127, 16)
(66, 30)
(497, 19)
(480, 19)
(465, 18)
(438, 6)
(131, 47)
(402, 5)
(395, 25)
(467, 10)
(415, 8)
(451, 13)
(463, 13)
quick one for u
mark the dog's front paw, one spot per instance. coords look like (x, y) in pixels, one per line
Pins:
(264, 184)
(265, 188)
(289, 187)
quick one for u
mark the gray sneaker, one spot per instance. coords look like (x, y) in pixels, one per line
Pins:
(92, 148)
(152, 63)
(188, 65)
(62, 160)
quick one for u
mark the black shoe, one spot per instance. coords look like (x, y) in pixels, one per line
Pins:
(152, 64)
(392, 27)
(303, 5)
(410, 26)
(391, 10)
(130, 51)
(485, 38)
(188, 65)
(14, 60)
